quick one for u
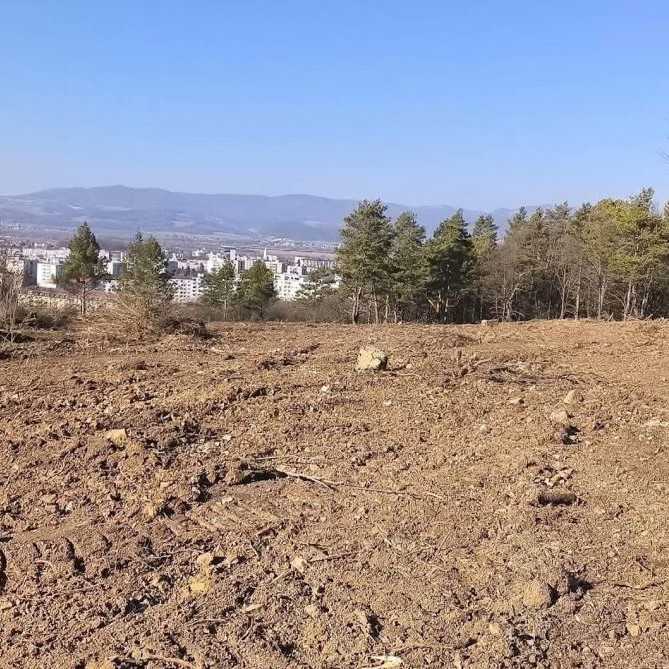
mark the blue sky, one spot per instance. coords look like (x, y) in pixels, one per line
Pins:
(476, 104)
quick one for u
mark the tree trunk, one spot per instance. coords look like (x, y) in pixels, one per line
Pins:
(628, 301)
(375, 304)
(600, 298)
(577, 306)
(355, 312)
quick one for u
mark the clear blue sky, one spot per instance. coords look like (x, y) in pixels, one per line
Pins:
(479, 104)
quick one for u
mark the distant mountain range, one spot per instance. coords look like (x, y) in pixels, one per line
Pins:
(121, 211)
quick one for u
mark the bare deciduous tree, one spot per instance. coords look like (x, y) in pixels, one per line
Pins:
(11, 280)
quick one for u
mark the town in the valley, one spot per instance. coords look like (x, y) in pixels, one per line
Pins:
(41, 267)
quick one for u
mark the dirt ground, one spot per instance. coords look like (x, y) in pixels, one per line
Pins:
(252, 501)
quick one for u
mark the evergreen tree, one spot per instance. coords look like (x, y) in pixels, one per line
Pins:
(407, 265)
(484, 246)
(362, 257)
(484, 236)
(219, 287)
(518, 220)
(84, 269)
(641, 250)
(450, 261)
(146, 270)
(256, 288)
(600, 240)
(145, 293)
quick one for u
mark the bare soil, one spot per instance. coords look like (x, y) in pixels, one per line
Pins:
(252, 501)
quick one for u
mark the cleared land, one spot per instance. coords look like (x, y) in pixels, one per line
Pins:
(252, 501)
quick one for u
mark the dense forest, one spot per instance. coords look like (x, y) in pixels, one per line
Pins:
(604, 260)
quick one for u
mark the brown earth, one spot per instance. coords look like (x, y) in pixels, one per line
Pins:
(252, 501)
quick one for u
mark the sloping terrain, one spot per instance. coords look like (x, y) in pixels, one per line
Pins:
(252, 501)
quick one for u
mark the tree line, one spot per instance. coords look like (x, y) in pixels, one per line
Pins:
(607, 260)
(603, 260)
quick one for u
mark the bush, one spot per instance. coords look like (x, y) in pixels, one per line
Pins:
(46, 318)
(125, 318)
(330, 309)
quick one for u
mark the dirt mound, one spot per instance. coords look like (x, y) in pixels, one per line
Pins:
(253, 501)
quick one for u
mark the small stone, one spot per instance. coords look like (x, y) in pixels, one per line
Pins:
(633, 629)
(299, 564)
(387, 403)
(484, 429)
(538, 595)
(311, 610)
(560, 417)
(205, 560)
(556, 497)
(200, 583)
(117, 437)
(325, 389)
(371, 359)
(516, 401)
(252, 607)
(572, 397)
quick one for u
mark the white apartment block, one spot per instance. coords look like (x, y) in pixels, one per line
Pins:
(188, 288)
(214, 261)
(287, 285)
(45, 254)
(48, 272)
(115, 268)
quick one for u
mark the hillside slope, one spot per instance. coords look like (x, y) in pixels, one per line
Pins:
(251, 501)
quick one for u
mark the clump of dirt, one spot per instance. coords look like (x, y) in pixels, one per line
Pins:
(251, 500)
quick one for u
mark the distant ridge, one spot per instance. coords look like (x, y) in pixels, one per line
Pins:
(122, 210)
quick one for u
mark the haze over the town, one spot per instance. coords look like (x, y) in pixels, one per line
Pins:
(480, 105)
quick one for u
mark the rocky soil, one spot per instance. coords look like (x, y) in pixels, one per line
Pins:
(495, 497)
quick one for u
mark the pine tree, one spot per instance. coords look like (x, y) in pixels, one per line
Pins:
(450, 261)
(484, 245)
(600, 238)
(219, 287)
(407, 265)
(84, 269)
(518, 220)
(484, 236)
(362, 257)
(145, 293)
(146, 270)
(256, 288)
(641, 250)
